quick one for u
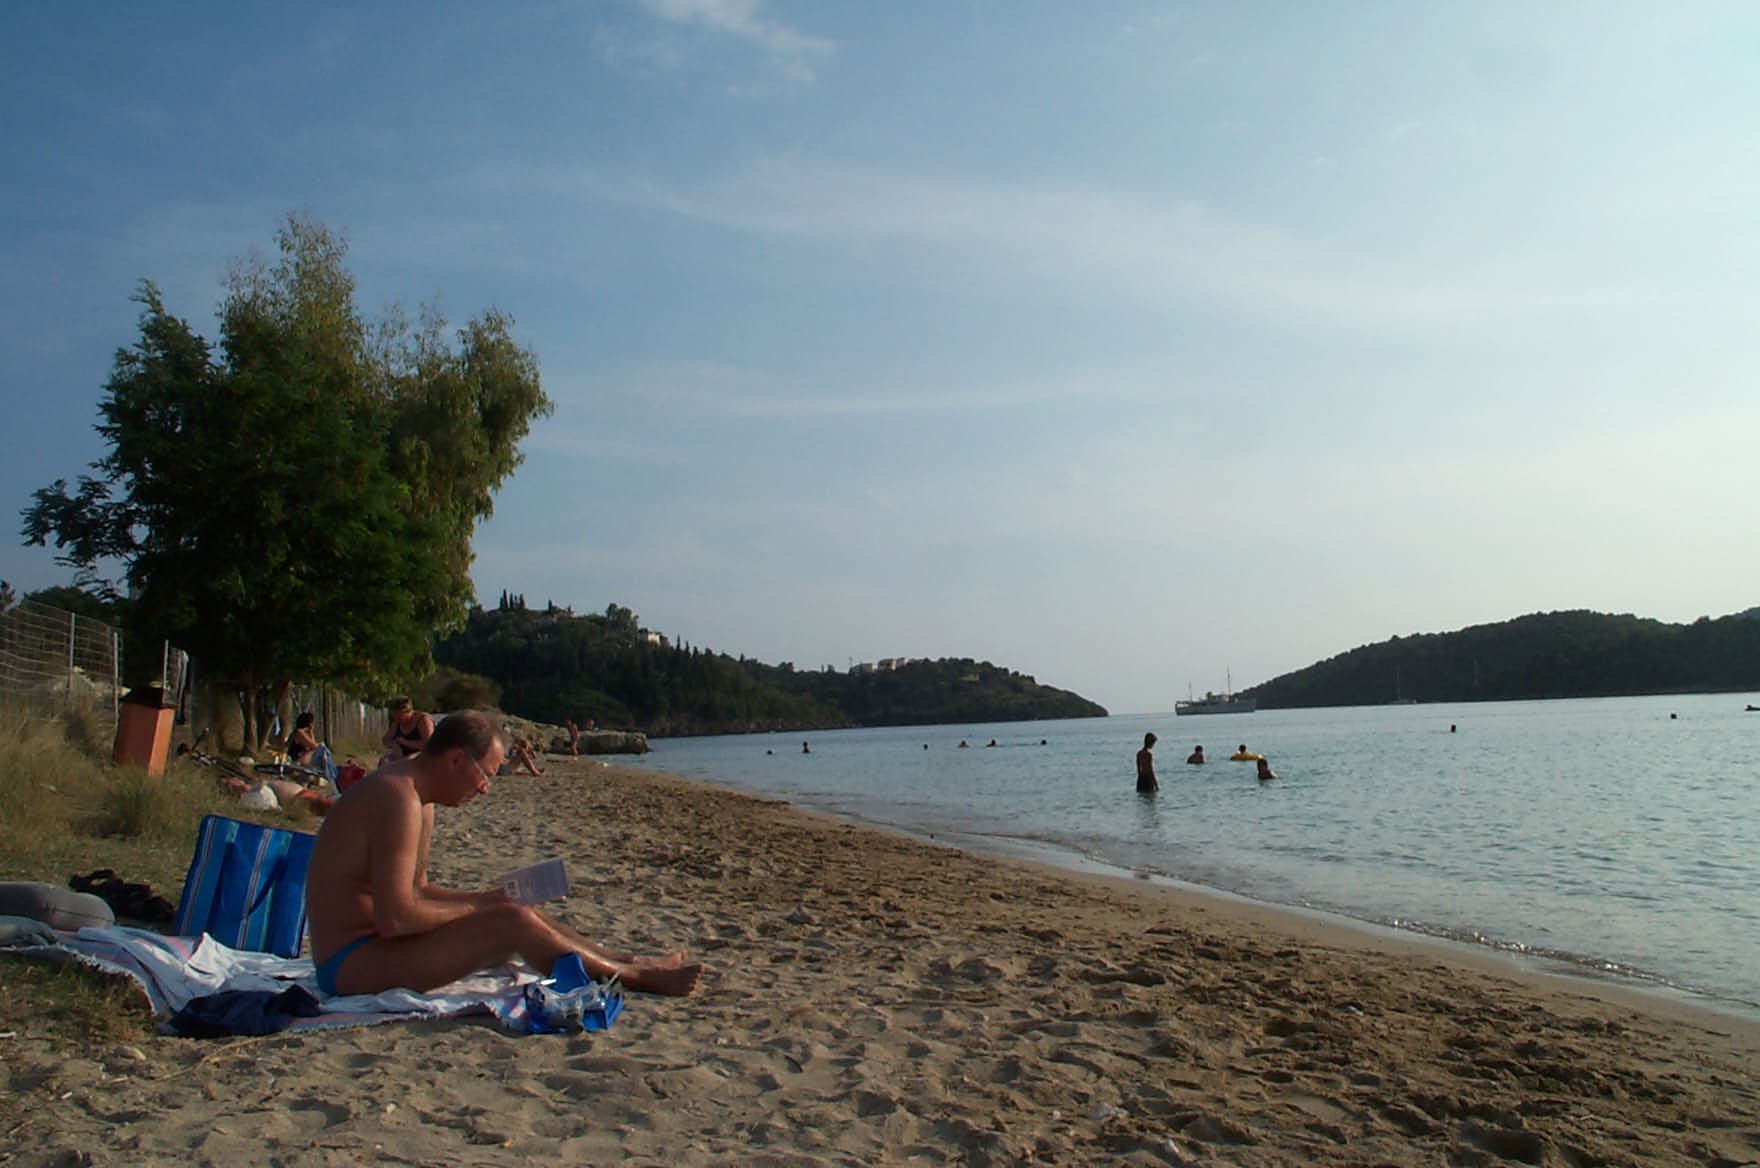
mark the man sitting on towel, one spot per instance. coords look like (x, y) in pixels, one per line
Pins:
(377, 923)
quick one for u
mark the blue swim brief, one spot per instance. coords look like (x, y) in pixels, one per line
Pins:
(327, 972)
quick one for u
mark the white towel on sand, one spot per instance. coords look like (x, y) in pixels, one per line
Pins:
(173, 971)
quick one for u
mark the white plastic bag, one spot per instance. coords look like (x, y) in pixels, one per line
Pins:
(260, 798)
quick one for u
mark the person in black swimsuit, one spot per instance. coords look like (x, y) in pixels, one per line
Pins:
(302, 740)
(1146, 766)
(409, 731)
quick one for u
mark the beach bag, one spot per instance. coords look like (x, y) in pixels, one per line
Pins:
(246, 886)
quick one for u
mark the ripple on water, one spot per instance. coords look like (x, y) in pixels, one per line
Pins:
(1598, 833)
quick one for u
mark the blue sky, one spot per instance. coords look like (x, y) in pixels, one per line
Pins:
(1126, 344)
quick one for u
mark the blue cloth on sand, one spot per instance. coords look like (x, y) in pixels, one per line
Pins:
(569, 1000)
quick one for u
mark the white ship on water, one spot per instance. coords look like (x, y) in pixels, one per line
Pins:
(1217, 703)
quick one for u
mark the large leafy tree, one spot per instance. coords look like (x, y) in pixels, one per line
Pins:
(299, 504)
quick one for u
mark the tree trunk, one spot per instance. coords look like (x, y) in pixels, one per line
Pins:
(247, 705)
(279, 702)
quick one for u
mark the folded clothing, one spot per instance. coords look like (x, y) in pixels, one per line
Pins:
(244, 1012)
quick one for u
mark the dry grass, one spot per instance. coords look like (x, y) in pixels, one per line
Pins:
(66, 810)
(365, 751)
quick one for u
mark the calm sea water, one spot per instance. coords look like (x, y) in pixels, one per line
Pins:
(1603, 833)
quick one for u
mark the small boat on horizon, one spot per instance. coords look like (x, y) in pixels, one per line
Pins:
(1217, 703)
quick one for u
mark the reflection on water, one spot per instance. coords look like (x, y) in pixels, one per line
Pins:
(1604, 830)
(1148, 817)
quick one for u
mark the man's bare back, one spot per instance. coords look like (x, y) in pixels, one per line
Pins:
(378, 924)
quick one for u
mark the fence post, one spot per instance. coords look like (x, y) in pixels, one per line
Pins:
(72, 644)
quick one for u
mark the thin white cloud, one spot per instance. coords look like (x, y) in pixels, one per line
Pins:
(637, 54)
(796, 54)
(1152, 251)
(707, 389)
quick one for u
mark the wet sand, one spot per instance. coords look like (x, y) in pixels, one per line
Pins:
(879, 1000)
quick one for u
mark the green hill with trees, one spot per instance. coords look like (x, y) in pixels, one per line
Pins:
(931, 693)
(1572, 654)
(550, 664)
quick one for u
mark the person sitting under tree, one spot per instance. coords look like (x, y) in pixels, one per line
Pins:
(408, 732)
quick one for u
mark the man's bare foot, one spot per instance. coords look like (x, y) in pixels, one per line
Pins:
(677, 982)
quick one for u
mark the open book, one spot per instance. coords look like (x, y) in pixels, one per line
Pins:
(546, 880)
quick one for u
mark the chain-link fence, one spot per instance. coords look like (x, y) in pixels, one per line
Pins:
(60, 661)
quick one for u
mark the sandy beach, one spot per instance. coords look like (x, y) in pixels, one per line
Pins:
(878, 1000)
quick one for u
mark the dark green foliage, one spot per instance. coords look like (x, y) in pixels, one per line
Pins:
(81, 603)
(448, 689)
(300, 505)
(458, 413)
(932, 693)
(554, 665)
(1545, 655)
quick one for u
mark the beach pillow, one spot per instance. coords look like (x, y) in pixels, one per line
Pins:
(59, 908)
(246, 886)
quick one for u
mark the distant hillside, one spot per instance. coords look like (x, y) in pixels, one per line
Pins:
(1545, 655)
(931, 693)
(551, 664)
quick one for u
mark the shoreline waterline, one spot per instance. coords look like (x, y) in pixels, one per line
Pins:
(1568, 972)
(1606, 837)
(870, 998)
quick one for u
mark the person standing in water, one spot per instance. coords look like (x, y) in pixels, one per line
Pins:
(1146, 766)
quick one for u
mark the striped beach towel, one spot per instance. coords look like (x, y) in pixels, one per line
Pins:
(246, 886)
